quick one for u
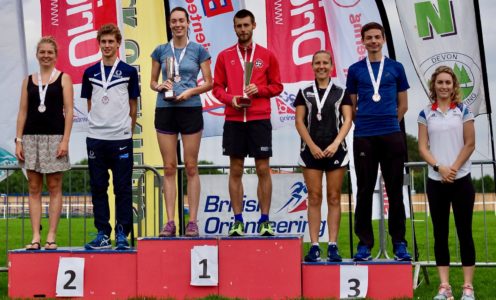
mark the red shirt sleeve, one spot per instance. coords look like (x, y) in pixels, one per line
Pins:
(274, 86)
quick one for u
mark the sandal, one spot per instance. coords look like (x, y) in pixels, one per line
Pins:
(51, 245)
(34, 246)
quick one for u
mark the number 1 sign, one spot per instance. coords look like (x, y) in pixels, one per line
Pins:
(204, 266)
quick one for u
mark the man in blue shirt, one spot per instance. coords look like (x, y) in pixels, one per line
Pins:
(378, 89)
(112, 88)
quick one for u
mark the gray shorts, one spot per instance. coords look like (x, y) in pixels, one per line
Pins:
(40, 153)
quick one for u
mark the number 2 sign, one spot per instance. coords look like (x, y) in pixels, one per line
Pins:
(70, 277)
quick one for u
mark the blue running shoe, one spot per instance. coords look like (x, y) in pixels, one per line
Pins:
(101, 241)
(121, 242)
(313, 254)
(363, 254)
(333, 254)
(401, 253)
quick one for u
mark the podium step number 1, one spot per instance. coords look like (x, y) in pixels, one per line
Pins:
(354, 281)
(205, 266)
(70, 277)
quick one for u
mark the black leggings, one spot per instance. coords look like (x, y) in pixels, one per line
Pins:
(461, 196)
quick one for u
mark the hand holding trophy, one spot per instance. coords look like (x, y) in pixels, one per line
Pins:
(170, 95)
(245, 101)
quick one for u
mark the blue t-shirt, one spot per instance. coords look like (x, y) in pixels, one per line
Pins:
(376, 118)
(188, 70)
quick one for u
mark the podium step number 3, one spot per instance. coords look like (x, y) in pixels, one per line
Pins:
(205, 266)
(70, 277)
(354, 281)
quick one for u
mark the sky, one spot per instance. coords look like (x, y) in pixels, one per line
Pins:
(286, 141)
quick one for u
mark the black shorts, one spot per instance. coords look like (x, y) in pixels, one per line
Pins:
(253, 138)
(340, 159)
(175, 120)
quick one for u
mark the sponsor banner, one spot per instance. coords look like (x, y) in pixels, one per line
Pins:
(288, 211)
(74, 26)
(13, 71)
(345, 19)
(444, 32)
(295, 31)
(207, 19)
(144, 29)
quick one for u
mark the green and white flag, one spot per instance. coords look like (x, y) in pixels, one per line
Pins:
(444, 32)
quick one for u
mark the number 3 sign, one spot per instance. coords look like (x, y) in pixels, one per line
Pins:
(70, 277)
(204, 266)
(354, 282)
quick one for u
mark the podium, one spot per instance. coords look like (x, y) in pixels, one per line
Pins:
(260, 267)
(387, 279)
(165, 266)
(249, 267)
(107, 273)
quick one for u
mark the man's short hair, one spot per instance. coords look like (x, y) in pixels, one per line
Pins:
(109, 29)
(243, 13)
(372, 25)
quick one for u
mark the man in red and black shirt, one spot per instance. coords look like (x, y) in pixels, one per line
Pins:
(247, 129)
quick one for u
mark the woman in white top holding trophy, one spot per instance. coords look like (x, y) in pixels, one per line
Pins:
(179, 111)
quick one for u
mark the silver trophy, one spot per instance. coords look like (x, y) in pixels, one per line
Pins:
(245, 101)
(170, 95)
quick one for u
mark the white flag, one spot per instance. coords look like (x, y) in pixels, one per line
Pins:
(13, 71)
(444, 32)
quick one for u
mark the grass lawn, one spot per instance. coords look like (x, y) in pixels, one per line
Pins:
(71, 233)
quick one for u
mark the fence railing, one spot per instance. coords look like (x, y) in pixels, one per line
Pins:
(149, 211)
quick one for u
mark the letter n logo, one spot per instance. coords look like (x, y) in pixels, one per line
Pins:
(440, 18)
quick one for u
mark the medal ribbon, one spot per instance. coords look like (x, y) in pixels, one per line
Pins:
(181, 56)
(321, 102)
(375, 83)
(42, 91)
(106, 81)
(243, 60)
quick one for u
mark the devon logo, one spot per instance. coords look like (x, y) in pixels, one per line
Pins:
(465, 68)
(466, 82)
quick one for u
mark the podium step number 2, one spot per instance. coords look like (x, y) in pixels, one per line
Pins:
(354, 281)
(70, 277)
(205, 266)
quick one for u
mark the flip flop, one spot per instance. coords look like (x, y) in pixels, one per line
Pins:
(34, 246)
(51, 246)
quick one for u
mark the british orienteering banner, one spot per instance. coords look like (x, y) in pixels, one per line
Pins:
(13, 71)
(74, 25)
(288, 210)
(445, 32)
(211, 25)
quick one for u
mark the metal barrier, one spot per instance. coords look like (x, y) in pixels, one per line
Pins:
(149, 223)
(14, 208)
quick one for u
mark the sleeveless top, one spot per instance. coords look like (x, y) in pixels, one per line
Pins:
(52, 121)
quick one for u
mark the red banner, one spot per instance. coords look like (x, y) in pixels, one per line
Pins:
(75, 26)
(295, 33)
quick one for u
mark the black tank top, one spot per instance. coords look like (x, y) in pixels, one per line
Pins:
(52, 120)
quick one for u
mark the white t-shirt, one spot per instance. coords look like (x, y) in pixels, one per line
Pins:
(445, 132)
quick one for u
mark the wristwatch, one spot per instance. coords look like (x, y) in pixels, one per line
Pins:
(435, 167)
(18, 140)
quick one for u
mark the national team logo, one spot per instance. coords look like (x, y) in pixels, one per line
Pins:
(118, 73)
(298, 199)
(465, 69)
(259, 63)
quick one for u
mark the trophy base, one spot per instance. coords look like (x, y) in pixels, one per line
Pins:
(170, 96)
(244, 102)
